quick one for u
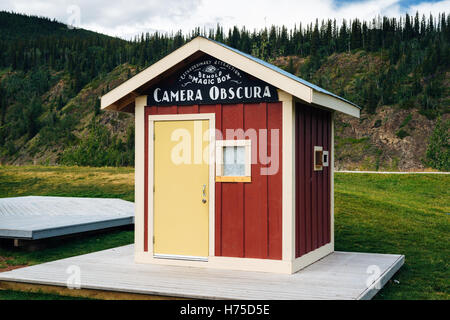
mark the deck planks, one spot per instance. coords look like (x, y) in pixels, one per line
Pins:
(340, 275)
(37, 217)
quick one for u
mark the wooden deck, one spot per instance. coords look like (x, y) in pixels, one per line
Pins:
(341, 275)
(35, 217)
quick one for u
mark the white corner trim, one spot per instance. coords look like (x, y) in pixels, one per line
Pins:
(288, 176)
(139, 165)
(331, 165)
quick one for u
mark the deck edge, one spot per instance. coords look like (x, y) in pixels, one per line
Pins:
(379, 284)
(82, 292)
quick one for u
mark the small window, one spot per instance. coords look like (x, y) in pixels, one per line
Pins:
(318, 158)
(233, 161)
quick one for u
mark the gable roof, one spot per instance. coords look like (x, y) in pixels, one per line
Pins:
(122, 97)
(287, 74)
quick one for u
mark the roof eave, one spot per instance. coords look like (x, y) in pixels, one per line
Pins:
(109, 101)
(334, 103)
(121, 96)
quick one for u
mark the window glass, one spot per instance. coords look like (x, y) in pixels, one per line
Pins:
(234, 161)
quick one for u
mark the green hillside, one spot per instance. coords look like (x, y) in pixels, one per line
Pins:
(397, 70)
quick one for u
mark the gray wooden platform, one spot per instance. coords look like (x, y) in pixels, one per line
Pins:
(36, 217)
(340, 275)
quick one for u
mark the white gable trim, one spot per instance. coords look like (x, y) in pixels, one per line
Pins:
(326, 100)
(278, 80)
(150, 73)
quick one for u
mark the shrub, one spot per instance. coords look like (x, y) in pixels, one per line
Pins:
(438, 151)
(100, 149)
(401, 133)
(406, 120)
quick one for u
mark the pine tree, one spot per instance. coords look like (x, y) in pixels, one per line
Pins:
(31, 115)
(356, 35)
(372, 100)
(290, 67)
(60, 103)
(39, 53)
(97, 108)
(314, 50)
(2, 105)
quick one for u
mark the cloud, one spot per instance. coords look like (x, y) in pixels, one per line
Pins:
(127, 18)
(290, 12)
(429, 7)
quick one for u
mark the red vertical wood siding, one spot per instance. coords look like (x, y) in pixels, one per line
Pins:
(217, 109)
(274, 185)
(314, 177)
(233, 232)
(307, 183)
(313, 128)
(248, 216)
(256, 212)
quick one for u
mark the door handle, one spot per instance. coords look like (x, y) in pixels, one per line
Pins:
(204, 193)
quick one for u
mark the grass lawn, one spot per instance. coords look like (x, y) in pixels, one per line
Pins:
(64, 181)
(67, 182)
(406, 214)
(16, 295)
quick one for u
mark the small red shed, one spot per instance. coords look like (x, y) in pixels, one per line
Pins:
(234, 161)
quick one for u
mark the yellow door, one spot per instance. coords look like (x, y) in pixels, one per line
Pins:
(181, 194)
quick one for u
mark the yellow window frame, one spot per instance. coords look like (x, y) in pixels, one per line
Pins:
(220, 144)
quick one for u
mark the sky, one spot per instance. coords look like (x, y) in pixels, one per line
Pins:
(128, 18)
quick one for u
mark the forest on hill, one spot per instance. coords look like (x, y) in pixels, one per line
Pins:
(396, 69)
